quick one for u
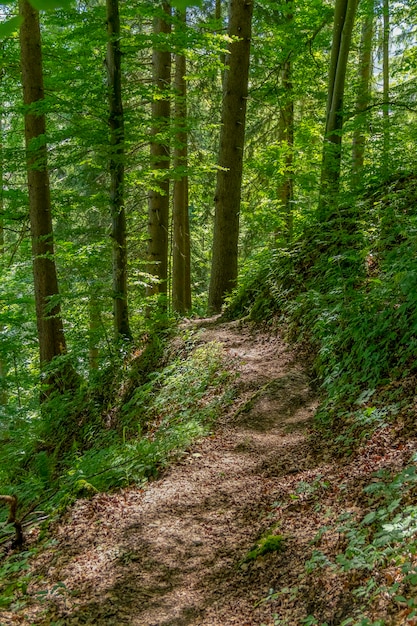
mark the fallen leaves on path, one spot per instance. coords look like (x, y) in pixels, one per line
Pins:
(173, 554)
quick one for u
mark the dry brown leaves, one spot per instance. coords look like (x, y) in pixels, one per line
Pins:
(173, 554)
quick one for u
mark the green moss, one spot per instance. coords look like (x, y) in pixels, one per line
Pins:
(269, 543)
(84, 489)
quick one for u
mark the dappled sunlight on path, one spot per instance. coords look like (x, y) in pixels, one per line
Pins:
(173, 553)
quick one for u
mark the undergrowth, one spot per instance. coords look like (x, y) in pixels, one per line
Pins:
(379, 554)
(347, 290)
(160, 398)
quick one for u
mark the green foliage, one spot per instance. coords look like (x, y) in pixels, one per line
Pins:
(267, 544)
(347, 289)
(13, 580)
(127, 424)
(10, 27)
(384, 539)
(159, 420)
(183, 4)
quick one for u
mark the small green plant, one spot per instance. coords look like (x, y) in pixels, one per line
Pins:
(267, 544)
(14, 579)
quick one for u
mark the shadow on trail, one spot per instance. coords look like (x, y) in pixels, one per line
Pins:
(173, 555)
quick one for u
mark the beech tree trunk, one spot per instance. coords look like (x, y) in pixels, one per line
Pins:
(117, 156)
(362, 101)
(229, 175)
(181, 277)
(49, 321)
(160, 160)
(344, 17)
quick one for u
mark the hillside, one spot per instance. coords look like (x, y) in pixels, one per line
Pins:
(254, 524)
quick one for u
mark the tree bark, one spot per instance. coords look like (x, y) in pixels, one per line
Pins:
(117, 157)
(181, 275)
(362, 101)
(344, 18)
(158, 215)
(3, 364)
(49, 321)
(385, 85)
(286, 189)
(93, 327)
(229, 175)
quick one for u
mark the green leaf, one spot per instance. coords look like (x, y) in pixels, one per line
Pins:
(181, 5)
(50, 5)
(412, 579)
(10, 27)
(368, 519)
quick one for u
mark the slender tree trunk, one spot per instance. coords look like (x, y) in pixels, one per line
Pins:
(159, 196)
(229, 175)
(49, 321)
(94, 325)
(181, 277)
(344, 17)
(117, 156)
(3, 364)
(362, 101)
(385, 85)
(286, 188)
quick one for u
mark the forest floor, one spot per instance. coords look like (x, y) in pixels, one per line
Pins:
(176, 553)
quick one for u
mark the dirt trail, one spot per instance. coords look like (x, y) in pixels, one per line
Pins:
(171, 555)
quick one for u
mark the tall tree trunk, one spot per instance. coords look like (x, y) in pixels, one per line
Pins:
(94, 325)
(181, 277)
(229, 175)
(344, 17)
(159, 195)
(48, 314)
(362, 101)
(385, 85)
(117, 156)
(286, 188)
(3, 364)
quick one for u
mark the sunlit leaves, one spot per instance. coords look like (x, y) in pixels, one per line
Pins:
(12, 25)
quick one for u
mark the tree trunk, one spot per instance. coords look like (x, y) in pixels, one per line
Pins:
(49, 322)
(181, 278)
(117, 156)
(94, 323)
(159, 196)
(286, 189)
(3, 365)
(229, 175)
(344, 18)
(362, 101)
(385, 85)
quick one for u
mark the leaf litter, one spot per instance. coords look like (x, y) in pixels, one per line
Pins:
(175, 553)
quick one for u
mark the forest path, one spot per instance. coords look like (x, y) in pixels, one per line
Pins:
(172, 554)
